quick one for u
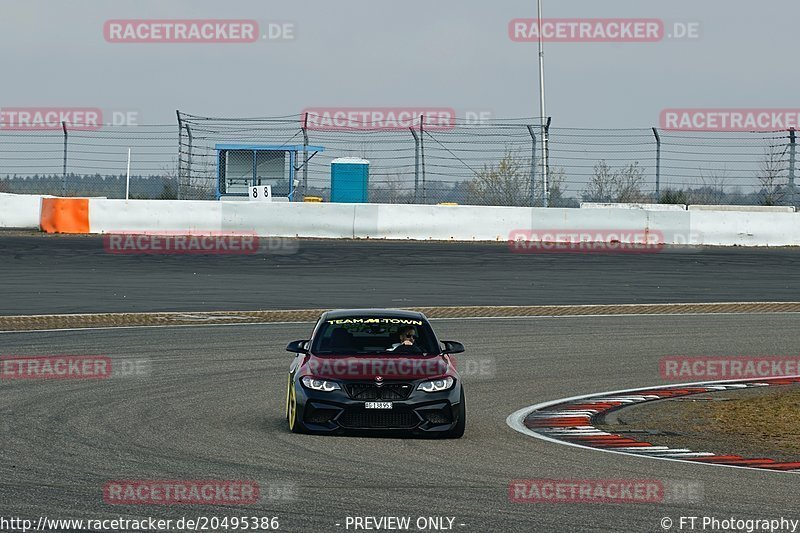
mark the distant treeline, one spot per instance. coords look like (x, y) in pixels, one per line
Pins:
(395, 191)
(142, 187)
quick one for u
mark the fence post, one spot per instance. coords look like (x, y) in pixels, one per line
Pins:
(305, 155)
(546, 157)
(64, 173)
(422, 156)
(658, 165)
(189, 159)
(792, 162)
(533, 166)
(416, 165)
(180, 153)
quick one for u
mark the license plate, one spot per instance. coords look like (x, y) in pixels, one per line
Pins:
(378, 405)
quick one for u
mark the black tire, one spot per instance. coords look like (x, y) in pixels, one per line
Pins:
(458, 430)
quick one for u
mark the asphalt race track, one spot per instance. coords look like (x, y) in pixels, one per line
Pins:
(212, 408)
(75, 275)
(211, 405)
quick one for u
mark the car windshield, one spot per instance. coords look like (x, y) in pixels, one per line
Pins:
(374, 335)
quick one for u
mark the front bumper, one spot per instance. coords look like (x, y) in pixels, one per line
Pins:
(420, 413)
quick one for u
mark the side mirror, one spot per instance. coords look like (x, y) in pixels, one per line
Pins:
(452, 347)
(297, 346)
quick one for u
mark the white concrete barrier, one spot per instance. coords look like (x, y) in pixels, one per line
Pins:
(299, 219)
(115, 216)
(447, 222)
(20, 210)
(729, 228)
(375, 221)
(418, 222)
(674, 226)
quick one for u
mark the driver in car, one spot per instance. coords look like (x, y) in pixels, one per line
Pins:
(407, 335)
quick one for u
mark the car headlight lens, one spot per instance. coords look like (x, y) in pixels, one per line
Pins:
(320, 384)
(436, 385)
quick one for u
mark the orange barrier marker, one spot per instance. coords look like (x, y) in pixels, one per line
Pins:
(65, 215)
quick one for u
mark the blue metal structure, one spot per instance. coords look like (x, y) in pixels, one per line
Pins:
(263, 149)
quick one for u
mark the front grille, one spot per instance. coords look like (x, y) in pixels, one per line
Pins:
(384, 419)
(371, 391)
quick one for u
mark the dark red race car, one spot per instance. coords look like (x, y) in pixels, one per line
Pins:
(375, 370)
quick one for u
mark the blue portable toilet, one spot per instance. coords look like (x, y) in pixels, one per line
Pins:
(349, 180)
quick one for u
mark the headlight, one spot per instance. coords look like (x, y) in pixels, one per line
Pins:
(320, 384)
(436, 385)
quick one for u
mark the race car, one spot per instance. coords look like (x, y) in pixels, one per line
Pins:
(375, 370)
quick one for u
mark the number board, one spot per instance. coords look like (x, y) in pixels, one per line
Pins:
(262, 193)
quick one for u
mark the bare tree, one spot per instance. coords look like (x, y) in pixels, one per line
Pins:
(601, 185)
(609, 185)
(712, 190)
(770, 176)
(555, 182)
(507, 183)
(628, 184)
(393, 190)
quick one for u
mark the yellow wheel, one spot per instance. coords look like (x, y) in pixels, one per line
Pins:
(288, 396)
(291, 408)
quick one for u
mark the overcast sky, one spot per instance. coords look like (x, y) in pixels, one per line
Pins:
(440, 53)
